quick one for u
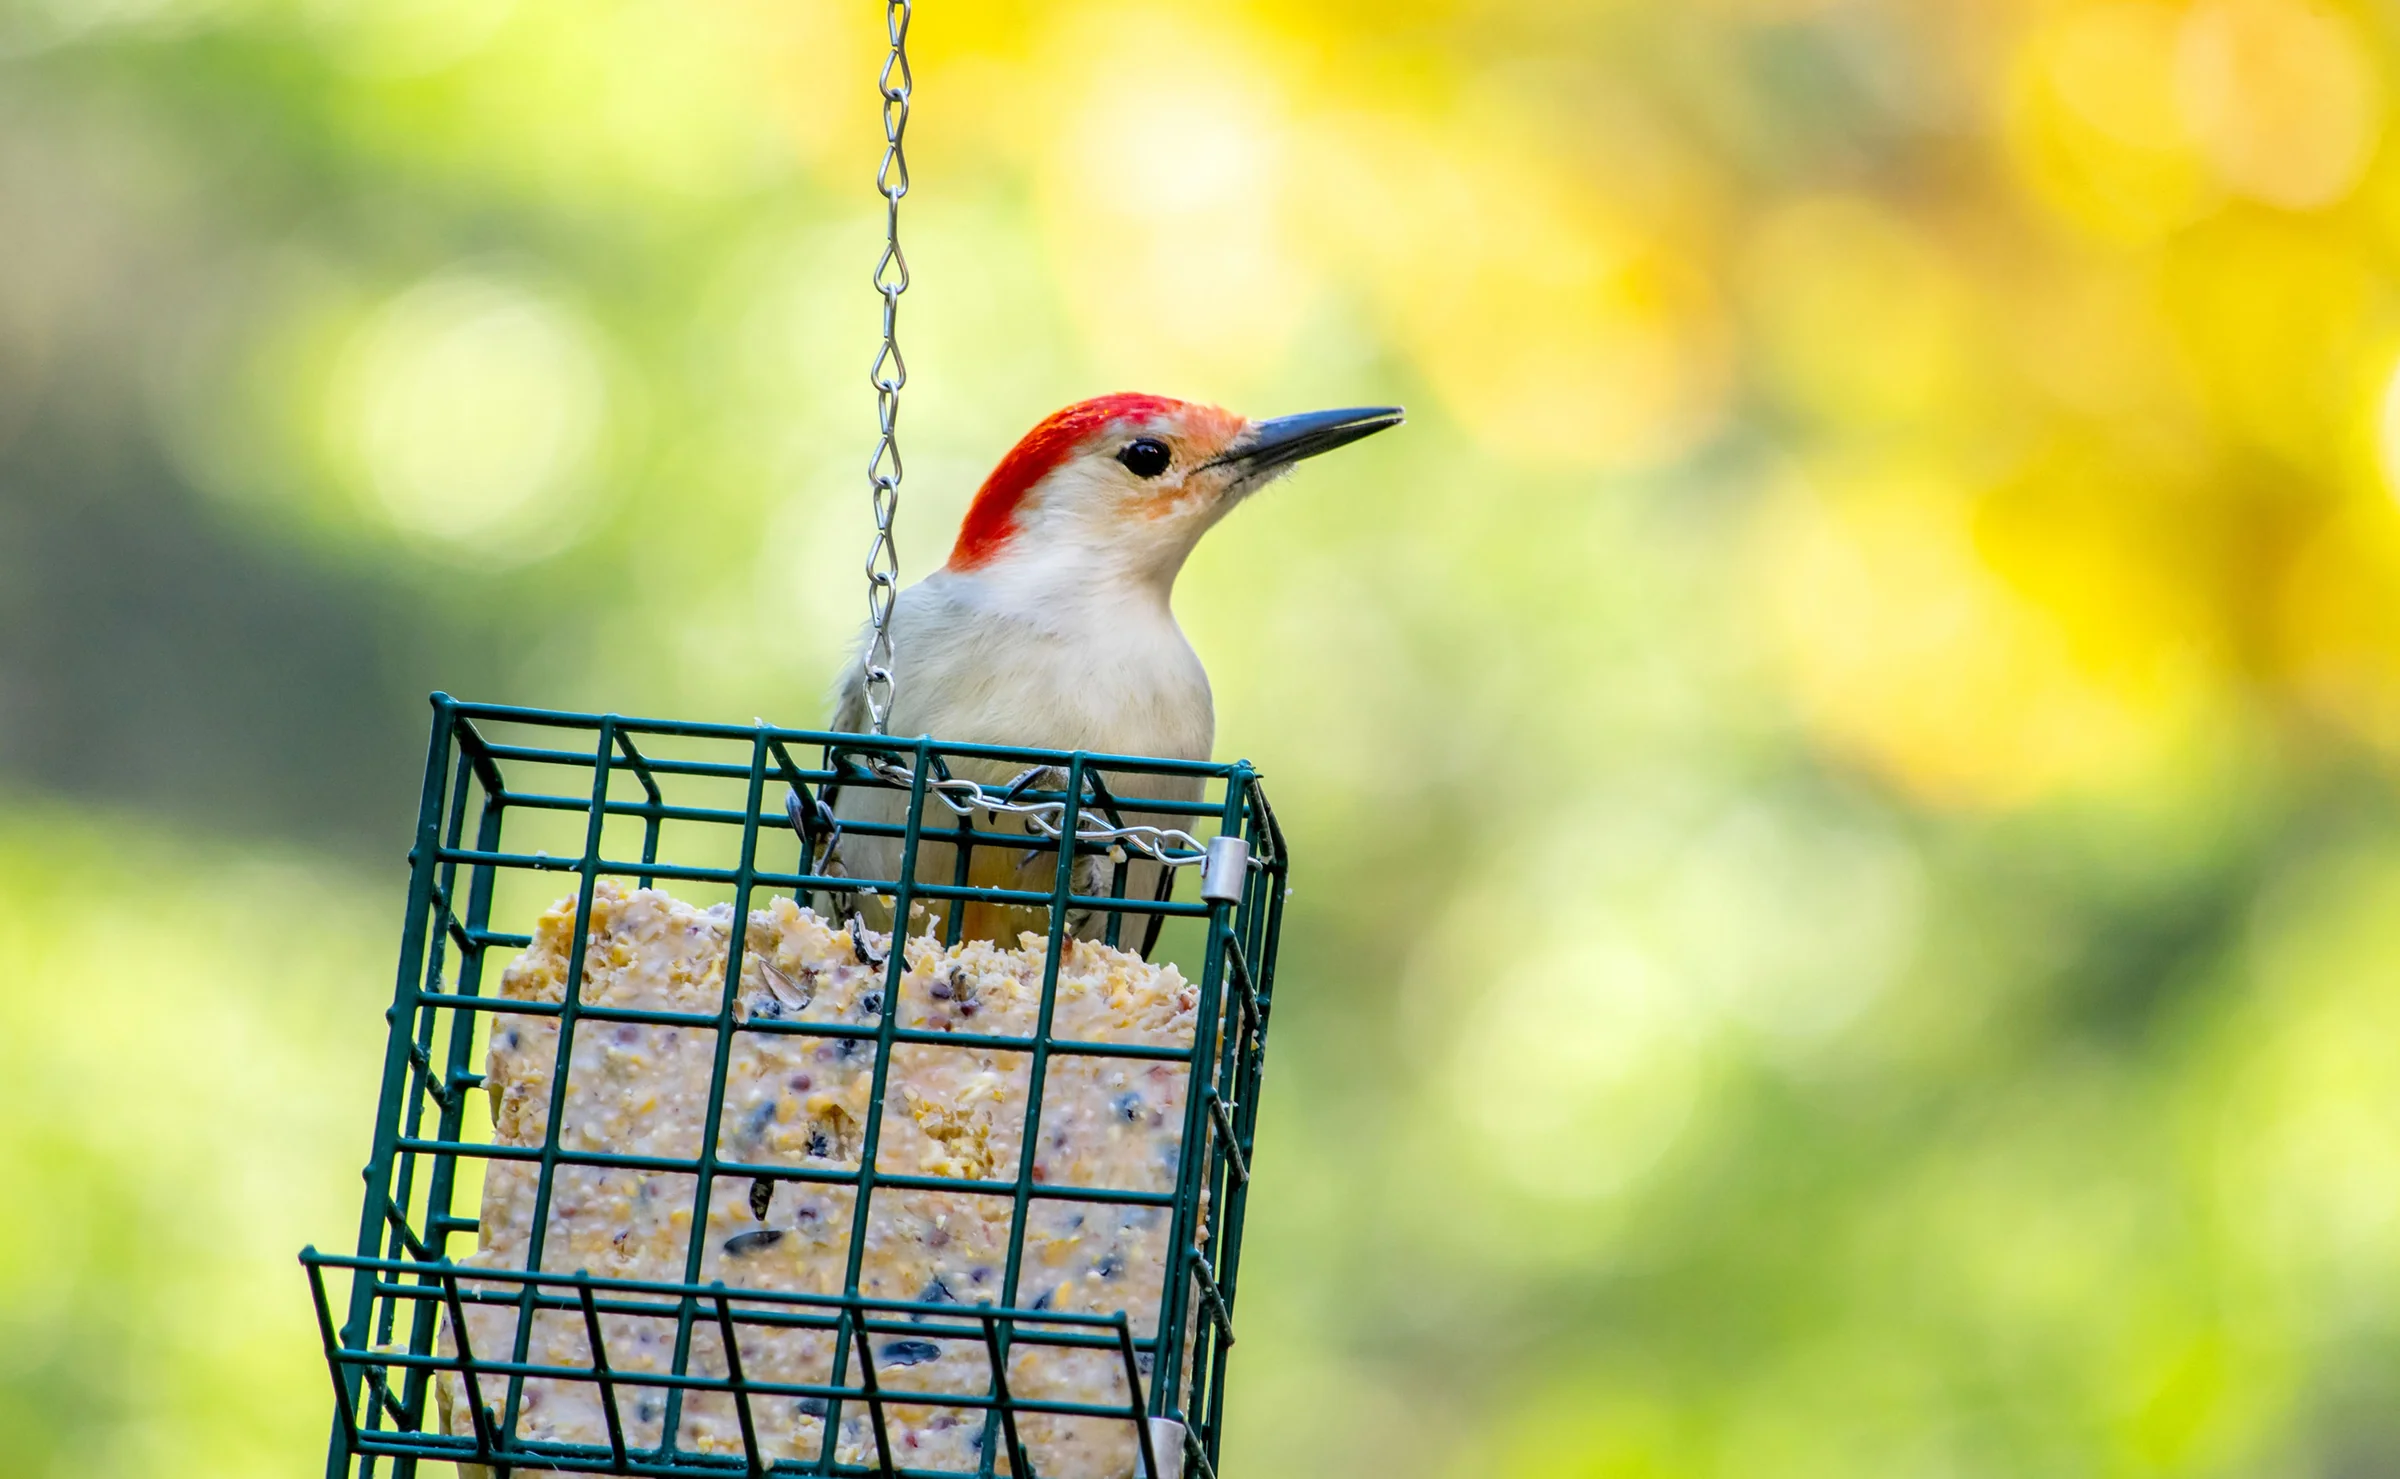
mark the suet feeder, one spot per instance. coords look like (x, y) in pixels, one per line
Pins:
(702, 808)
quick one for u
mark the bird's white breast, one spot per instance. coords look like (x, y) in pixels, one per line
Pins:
(1063, 668)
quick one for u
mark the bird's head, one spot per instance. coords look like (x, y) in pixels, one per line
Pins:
(1127, 484)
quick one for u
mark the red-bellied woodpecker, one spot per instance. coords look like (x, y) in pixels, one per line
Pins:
(1051, 626)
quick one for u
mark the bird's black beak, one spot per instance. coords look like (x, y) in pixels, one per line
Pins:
(1286, 439)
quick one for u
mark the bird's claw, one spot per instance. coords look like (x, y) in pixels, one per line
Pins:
(1025, 778)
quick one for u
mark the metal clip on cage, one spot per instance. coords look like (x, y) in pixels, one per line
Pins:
(521, 806)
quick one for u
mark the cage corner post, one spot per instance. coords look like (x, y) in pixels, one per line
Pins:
(424, 860)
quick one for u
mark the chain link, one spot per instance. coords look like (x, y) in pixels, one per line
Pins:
(1046, 818)
(889, 374)
(1169, 847)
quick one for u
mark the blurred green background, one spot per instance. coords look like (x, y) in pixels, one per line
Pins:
(1848, 912)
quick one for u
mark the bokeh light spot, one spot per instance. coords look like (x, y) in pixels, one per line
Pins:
(1164, 199)
(1559, 330)
(1909, 650)
(2110, 68)
(1579, 1069)
(2093, 124)
(2282, 96)
(1861, 318)
(472, 408)
(1790, 928)
(2387, 432)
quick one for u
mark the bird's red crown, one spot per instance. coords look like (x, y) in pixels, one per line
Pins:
(992, 518)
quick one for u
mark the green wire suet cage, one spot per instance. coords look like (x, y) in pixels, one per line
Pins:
(521, 807)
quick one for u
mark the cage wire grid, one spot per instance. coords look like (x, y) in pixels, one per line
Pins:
(382, 1313)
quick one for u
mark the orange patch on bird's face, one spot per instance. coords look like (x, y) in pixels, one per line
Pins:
(1207, 431)
(1204, 433)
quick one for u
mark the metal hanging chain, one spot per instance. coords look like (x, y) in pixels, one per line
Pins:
(889, 374)
(1168, 845)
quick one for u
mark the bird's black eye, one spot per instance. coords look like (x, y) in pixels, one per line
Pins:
(1145, 457)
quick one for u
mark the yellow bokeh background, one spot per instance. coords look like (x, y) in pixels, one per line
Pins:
(1848, 882)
